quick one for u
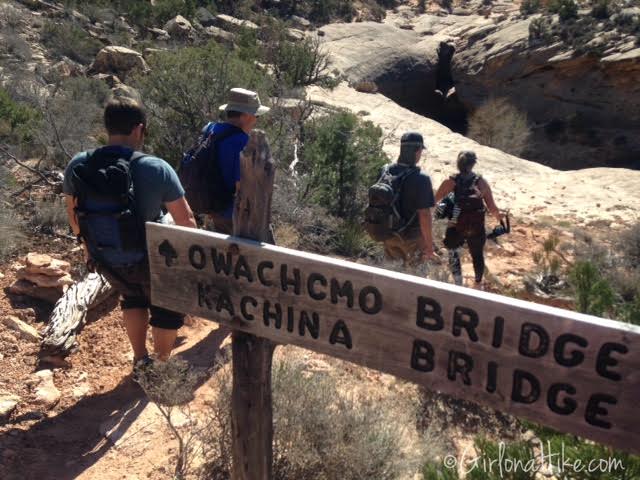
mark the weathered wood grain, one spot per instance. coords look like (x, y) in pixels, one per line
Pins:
(251, 413)
(70, 313)
(587, 374)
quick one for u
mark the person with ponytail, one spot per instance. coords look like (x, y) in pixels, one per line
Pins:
(472, 197)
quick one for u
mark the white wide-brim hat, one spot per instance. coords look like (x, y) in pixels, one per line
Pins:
(245, 101)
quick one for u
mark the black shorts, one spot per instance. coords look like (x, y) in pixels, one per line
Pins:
(134, 285)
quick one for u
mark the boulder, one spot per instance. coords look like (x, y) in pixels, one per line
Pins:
(295, 35)
(179, 27)
(205, 17)
(159, 33)
(300, 22)
(229, 22)
(219, 34)
(65, 68)
(46, 265)
(25, 330)
(118, 60)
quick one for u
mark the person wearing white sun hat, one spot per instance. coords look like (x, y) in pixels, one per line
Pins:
(241, 114)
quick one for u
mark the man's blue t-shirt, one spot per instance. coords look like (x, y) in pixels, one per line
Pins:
(228, 156)
(155, 182)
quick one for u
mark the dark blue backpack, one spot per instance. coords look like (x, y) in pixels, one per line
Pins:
(201, 175)
(109, 225)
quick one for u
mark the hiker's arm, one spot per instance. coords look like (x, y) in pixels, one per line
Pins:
(445, 189)
(73, 221)
(181, 213)
(424, 217)
(487, 195)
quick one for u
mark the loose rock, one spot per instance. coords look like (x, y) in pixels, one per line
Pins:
(25, 330)
(47, 394)
(179, 27)
(8, 404)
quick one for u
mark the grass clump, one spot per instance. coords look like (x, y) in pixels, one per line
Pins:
(321, 431)
(11, 226)
(49, 216)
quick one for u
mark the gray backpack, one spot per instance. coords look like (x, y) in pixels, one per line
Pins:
(382, 218)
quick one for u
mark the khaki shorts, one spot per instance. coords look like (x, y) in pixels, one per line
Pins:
(409, 250)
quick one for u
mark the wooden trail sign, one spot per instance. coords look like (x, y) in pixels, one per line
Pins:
(576, 373)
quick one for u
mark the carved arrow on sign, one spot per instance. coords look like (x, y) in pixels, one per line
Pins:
(168, 252)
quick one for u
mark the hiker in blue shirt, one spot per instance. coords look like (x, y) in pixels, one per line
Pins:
(241, 115)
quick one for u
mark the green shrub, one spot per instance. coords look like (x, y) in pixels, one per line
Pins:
(71, 41)
(529, 7)
(499, 124)
(320, 432)
(566, 9)
(593, 294)
(295, 63)
(341, 156)
(624, 467)
(602, 9)
(72, 118)
(437, 471)
(516, 453)
(141, 12)
(17, 120)
(186, 89)
(540, 29)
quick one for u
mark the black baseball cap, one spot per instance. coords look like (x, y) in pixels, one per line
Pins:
(413, 139)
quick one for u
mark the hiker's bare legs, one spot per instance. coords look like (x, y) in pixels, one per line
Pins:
(136, 322)
(163, 342)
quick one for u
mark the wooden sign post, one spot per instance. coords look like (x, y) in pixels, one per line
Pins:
(251, 413)
(575, 373)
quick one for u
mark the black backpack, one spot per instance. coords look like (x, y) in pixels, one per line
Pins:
(109, 225)
(201, 175)
(466, 193)
(382, 218)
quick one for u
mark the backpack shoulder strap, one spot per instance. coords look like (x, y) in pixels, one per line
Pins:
(406, 174)
(230, 132)
(137, 156)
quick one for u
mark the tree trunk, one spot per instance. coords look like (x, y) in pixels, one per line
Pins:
(252, 416)
(70, 313)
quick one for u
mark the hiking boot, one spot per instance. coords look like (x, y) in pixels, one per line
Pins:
(142, 367)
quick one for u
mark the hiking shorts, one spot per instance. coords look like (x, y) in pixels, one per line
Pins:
(134, 285)
(408, 249)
